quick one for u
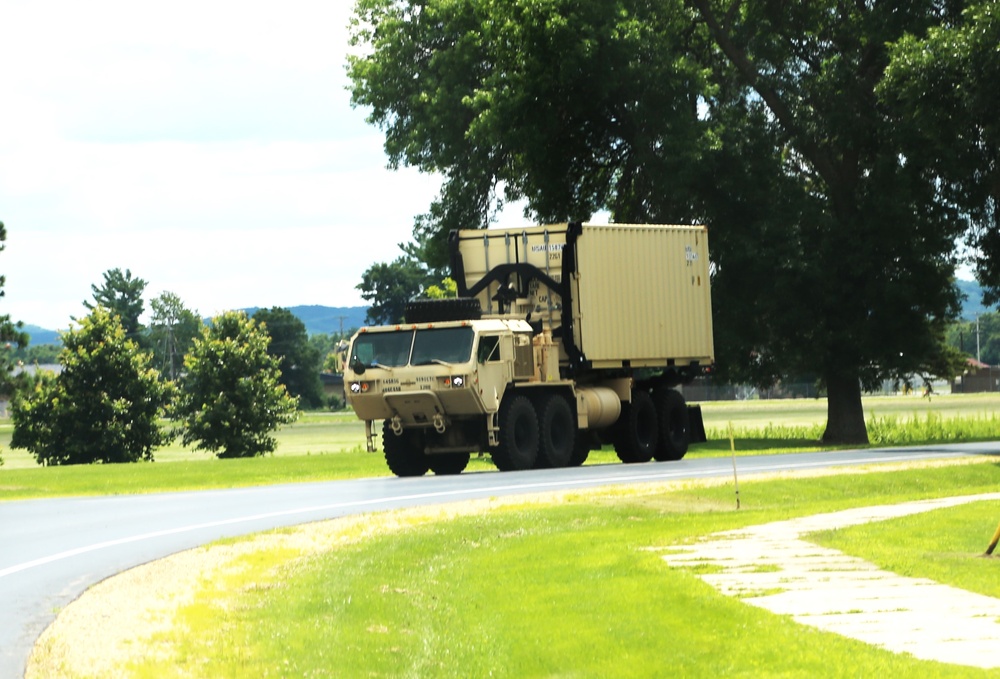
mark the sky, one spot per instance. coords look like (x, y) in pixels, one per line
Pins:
(208, 147)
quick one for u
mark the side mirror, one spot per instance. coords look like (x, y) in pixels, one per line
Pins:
(358, 367)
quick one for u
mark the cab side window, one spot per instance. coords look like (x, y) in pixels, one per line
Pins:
(489, 349)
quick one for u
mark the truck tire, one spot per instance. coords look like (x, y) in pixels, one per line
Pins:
(557, 432)
(403, 454)
(675, 434)
(518, 424)
(637, 429)
(446, 309)
(585, 442)
(448, 463)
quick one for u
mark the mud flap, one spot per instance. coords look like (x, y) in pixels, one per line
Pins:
(696, 425)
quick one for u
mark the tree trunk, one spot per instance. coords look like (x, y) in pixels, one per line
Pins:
(845, 416)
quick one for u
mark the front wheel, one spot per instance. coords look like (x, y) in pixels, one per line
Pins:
(404, 453)
(518, 423)
(448, 463)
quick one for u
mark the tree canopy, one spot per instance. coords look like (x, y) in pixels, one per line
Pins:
(388, 287)
(172, 330)
(121, 294)
(11, 332)
(941, 88)
(833, 250)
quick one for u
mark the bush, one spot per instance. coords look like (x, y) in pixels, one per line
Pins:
(103, 407)
(230, 396)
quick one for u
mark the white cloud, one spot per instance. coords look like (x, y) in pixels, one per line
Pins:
(207, 146)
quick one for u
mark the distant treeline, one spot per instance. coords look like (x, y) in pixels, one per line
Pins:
(318, 320)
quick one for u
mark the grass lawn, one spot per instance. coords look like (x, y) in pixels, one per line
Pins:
(328, 446)
(572, 587)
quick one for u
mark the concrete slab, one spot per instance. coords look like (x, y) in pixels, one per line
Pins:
(771, 566)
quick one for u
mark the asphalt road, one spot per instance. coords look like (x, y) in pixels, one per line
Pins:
(53, 550)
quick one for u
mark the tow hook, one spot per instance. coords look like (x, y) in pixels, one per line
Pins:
(397, 425)
(439, 426)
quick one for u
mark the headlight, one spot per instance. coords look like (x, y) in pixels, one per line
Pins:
(457, 381)
(359, 387)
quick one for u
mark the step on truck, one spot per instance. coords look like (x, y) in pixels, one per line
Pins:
(563, 338)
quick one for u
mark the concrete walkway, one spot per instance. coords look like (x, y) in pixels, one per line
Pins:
(771, 566)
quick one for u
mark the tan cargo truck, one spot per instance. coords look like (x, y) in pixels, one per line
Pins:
(563, 338)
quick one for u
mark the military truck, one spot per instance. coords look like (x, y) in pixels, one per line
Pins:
(564, 338)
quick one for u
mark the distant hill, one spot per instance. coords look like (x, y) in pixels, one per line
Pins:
(325, 319)
(41, 335)
(972, 305)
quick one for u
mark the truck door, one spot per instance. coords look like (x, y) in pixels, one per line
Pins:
(494, 356)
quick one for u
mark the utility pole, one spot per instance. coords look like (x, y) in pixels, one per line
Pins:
(978, 358)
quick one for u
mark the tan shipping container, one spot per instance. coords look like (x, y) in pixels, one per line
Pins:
(639, 294)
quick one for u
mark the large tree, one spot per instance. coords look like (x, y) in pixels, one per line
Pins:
(833, 251)
(298, 360)
(871, 242)
(230, 398)
(104, 406)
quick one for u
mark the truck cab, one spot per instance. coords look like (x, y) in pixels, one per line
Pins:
(436, 376)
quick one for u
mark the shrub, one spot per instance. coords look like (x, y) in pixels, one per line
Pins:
(103, 407)
(230, 396)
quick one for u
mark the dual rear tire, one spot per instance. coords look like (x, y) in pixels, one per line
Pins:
(674, 425)
(638, 429)
(653, 426)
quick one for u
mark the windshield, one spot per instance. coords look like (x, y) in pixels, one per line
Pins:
(393, 349)
(382, 349)
(442, 345)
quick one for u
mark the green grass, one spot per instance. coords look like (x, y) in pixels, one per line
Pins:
(935, 545)
(812, 411)
(575, 589)
(329, 446)
(892, 420)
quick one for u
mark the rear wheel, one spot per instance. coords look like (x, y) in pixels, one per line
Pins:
(637, 430)
(675, 434)
(404, 453)
(557, 431)
(585, 442)
(518, 435)
(448, 463)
